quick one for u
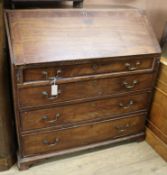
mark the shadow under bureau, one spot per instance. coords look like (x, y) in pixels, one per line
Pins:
(81, 79)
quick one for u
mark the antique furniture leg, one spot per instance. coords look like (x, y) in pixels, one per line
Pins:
(78, 4)
(23, 166)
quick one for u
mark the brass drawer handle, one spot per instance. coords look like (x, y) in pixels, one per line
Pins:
(131, 102)
(45, 74)
(123, 128)
(46, 142)
(46, 94)
(45, 118)
(127, 86)
(131, 67)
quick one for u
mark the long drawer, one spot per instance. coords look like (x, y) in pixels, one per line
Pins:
(41, 95)
(39, 143)
(94, 110)
(96, 67)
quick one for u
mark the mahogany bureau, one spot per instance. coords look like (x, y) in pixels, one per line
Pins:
(81, 79)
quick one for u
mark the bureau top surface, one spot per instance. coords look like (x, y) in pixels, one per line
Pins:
(42, 36)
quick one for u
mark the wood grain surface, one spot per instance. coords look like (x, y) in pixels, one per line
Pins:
(57, 117)
(7, 132)
(91, 68)
(66, 35)
(105, 50)
(80, 136)
(157, 121)
(157, 143)
(41, 95)
(156, 12)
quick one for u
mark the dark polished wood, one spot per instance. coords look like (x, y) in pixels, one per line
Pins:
(26, 162)
(105, 74)
(97, 36)
(80, 136)
(7, 129)
(97, 67)
(41, 95)
(93, 110)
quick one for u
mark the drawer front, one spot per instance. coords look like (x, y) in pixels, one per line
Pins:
(70, 114)
(41, 95)
(74, 137)
(36, 74)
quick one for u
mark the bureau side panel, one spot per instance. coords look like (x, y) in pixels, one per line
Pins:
(14, 84)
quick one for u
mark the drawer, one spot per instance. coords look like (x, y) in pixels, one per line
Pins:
(94, 110)
(39, 143)
(45, 73)
(41, 95)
